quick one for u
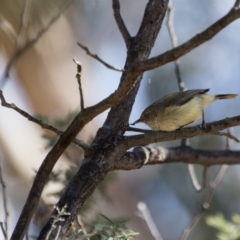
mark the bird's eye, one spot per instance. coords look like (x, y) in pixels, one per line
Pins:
(147, 115)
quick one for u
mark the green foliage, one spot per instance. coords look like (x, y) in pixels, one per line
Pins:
(227, 230)
(104, 229)
(108, 229)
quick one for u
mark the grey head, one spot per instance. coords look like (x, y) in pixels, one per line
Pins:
(148, 115)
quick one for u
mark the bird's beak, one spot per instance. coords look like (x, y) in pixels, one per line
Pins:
(139, 120)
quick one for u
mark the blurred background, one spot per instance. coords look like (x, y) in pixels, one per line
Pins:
(42, 82)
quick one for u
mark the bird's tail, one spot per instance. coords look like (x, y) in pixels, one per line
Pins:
(226, 96)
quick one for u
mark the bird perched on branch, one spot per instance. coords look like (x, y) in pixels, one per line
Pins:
(177, 110)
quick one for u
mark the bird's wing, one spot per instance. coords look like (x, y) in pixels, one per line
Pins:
(184, 97)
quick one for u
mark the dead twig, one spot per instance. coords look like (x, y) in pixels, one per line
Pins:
(99, 59)
(80, 143)
(78, 76)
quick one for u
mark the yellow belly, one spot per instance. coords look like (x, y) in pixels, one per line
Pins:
(175, 117)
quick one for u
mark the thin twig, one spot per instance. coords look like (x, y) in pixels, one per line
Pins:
(19, 52)
(3, 231)
(4, 197)
(192, 43)
(99, 59)
(209, 195)
(174, 42)
(181, 86)
(120, 23)
(80, 143)
(228, 135)
(207, 201)
(146, 215)
(204, 178)
(78, 76)
(194, 179)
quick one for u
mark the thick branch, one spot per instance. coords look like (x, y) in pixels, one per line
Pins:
(121, 25)
(129, 79)
(191, 44)
(141, 156)
(104, 146)
(138, 50)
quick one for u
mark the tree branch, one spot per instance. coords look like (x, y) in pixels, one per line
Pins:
(80, 143)
(120, 23)
(78, 76)
(109, 144)
(191, 44)
(141, 156)
(95, 56)
(188, 132)
(105, 144)
(65, 139)
(140, 50)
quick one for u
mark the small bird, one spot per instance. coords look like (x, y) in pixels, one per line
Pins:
(177, 110)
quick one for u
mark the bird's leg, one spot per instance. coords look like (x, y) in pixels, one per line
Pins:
(203, 120)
